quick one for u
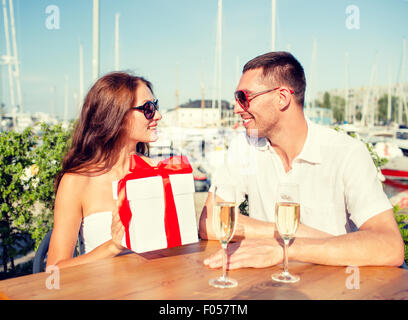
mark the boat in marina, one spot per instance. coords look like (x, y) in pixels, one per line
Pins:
(401, 139)
(387, 144)
(397, 137)
(24, 120)
(395, 172)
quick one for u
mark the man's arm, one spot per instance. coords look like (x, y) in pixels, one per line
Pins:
(377, 243)
(249, 228)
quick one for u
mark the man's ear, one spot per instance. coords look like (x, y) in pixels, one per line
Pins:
(284, 98)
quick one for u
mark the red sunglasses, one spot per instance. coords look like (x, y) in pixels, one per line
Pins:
(243, 98)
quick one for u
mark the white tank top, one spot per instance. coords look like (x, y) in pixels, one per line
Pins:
(96, 229)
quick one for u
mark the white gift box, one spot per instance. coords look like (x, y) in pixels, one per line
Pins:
(146, 202)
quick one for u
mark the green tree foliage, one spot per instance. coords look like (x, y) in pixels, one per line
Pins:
(16, 196)
(47, 156)
(383, 107)
(402, 221)
(338, 105)
(335, 103)
(325, 103)
(29, 165)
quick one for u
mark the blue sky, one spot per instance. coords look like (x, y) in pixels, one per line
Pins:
(157, 35)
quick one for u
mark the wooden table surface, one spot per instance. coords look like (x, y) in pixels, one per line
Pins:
(179, 274)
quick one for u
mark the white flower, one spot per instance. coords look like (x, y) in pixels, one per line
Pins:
(30, 173)
(34, 170)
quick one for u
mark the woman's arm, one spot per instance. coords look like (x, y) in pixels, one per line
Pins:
(67, 221)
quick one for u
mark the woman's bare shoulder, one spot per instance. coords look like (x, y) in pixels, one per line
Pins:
(74, 181)
(70, 194)
(75, 178)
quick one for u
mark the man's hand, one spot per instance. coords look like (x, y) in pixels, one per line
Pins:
(255, 253)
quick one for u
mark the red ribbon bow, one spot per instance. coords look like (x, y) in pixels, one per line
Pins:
(141, 169)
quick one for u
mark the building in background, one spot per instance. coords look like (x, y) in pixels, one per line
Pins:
(201, 114)
(318, 115)
(362, 102)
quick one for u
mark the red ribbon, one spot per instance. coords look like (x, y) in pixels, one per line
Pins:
(141, 169)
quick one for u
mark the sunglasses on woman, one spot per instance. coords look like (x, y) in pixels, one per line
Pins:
(243, 98)
(149, 108)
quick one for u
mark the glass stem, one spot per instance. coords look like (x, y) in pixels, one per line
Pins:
(285, 256)
(224, 261)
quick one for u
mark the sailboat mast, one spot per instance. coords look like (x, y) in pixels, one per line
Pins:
(202, 95)
(95, 42)
(81, 75)
(309, 93)
(9, 65)
(117, 41)
(177, 94)
(237, 78)
(215, 69)
(389, 101)
(400, 82)
(346, 90)
(217, 64)
(202, 87)
(15, 56)
(219, 58)
(375, 110)
(52, 90)
(374, 103)
(236, 70)
(273, 31)
(214, 79)
(367, 114)
(66, 99)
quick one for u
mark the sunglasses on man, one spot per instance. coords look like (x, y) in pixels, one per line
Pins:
(149, 108)
(244, 98)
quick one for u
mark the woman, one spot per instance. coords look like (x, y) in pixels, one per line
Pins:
(119, 117)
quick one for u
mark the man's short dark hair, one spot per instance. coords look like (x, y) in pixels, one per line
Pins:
(281, 68)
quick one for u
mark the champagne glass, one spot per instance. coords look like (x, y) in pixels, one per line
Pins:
(224, 219)
(287, 214)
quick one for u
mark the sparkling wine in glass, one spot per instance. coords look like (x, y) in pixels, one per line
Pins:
(224, 221)
(287, 214)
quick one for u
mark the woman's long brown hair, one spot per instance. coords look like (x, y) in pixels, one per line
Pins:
(101, 125)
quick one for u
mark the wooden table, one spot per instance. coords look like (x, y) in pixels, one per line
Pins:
(179, 273)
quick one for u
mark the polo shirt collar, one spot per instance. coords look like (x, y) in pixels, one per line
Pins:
(311, 149)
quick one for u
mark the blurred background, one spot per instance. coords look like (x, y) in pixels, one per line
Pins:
(354, 54)
(194, 50)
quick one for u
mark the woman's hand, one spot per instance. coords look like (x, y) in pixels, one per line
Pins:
(117, 228)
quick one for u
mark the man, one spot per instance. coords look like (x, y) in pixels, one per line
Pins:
(346, 219)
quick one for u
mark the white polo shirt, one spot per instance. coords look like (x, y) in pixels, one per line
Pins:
(338, 181)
